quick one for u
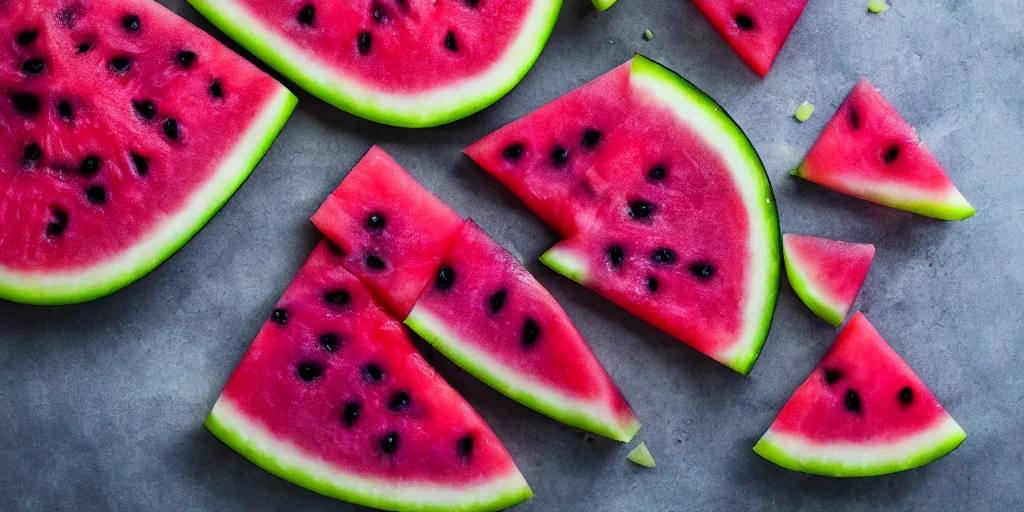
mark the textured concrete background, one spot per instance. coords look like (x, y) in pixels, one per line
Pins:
(101, 404)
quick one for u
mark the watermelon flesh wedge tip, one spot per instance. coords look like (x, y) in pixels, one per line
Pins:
(664, 205)
(826, 274)
(468, 297)
(863, 412)
(755, 29)
(124, 130)
(333, 397)
(868, 151)
(411, 63)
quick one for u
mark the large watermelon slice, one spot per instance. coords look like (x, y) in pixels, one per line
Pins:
(476, 303)
(826, 274)
(868, 151)
(755, 29)
(123, 129)
(862, 412)
(488, 314)
(413, 63)
(333, 397)
(665, 205)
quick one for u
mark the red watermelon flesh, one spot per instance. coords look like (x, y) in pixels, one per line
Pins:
(755, 29)
(868, 151)
(333, 397)
(827, 274)
(487, 313)
(393, 246)
(667, 211)
(862, 412)
(124, 129)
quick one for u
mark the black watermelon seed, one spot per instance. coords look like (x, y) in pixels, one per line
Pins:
(854, 119)
(376, 221)
(400, 401)
(389, 444)
(330, 341)
(25, 102)
(616, 255)
(65, 111)
(514, 151)
(832, 376)
(27, 37)
(145, 108)
(852, 401)
(906, 395)
(307, 15)
(186, 58)
(121, 65)
(702, 270)
(657, 173)
(350, 414)
(375, 263)
(373, 372)
(652, 284)
(892, 154)
(337, 297)
(531, 331)
(215, 90)
(90, 165)
(450, 42)
(364, 43)
(309, 371)
(445, 278)
(96, 195)
(591, 138)
(640, 209)
(67, 17)
(58, 225)
(744, 22)
(33, 153)
(131, 22)
(84, 48)
(464, 446)
(378, 14)
(141, 164)
(33, 66)
(497, 301)
(663, 255)
(171, 129)
(472, 3)
(279, 316)
(559, 156)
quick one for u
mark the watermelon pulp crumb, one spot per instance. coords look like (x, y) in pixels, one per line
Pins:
(804, 112)
(878, 6)
(641, 456)
(648, 35)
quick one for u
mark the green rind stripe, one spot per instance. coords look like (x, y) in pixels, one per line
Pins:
(809, 294)
(603, 5)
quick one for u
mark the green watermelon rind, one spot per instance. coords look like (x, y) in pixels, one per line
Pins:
(575, 413)
(810, 295)
(603, 5)
(344, 93)
(928, 446)
(280, 458)
(760, 198)
(77, 286)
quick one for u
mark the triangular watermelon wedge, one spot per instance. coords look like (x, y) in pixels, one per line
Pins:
(755, 29)
(826, 274)
(863, 412)
(333, 396)
(868, 151)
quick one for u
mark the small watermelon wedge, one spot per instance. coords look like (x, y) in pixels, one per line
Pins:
(411, 63)
(755, 29)
(826, 274)
(863, 412)
(333, 397)
(123, 129)
(664, 205)
(868, 151)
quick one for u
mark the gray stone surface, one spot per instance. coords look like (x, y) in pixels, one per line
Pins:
(101, 404)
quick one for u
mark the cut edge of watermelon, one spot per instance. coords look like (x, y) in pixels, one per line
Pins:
(283, 459)
(54, 288)
(603, 5)
(858, 459)
(409, 111)
(816, 300)
(589, 416)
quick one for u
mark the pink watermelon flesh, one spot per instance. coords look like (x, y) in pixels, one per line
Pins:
(868, 151)
(113, 115)
(334, 382)
(653, 217)
(393, 246)
(755, 29)
(863, 411)
(486, 312)
(827, 274)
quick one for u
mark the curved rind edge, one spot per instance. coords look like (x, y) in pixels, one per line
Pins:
(809, 295)
(603, 5)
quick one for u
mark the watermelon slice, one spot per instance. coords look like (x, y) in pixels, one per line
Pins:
(413, 63)
(868, 151)
(862, 412)
(124, 129)
(488, 314)
(755, 29)
(826, 274)
(664, 204)
(333, 397)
